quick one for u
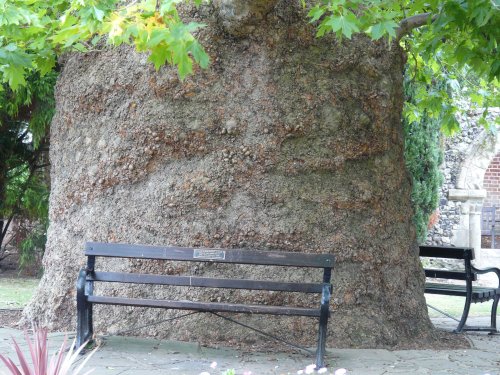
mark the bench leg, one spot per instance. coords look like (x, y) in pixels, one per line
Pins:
(323, 323)
(465, 314)
(494, 315)
(320, 352)
(84, 330)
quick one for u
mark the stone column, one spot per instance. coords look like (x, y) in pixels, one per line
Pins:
(475, 228)
(469, 232)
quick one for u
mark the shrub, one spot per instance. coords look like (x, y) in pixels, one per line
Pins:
(423, 156)
(38, 350)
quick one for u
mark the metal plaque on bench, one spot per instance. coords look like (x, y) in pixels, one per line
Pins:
(210, 254)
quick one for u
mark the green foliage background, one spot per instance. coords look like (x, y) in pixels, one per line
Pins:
(25, 116)
(423, 156)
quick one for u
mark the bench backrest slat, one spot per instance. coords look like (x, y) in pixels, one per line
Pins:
(447, 252)
(239, 256)
(452, 275)
(206, 282)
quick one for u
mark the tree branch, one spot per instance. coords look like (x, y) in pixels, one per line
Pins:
(6, 227)
(39, 166)
(410, 23)
(16, 205)
(22, 136)
(21, 170)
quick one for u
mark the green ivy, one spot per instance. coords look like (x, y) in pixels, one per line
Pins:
(423, 156)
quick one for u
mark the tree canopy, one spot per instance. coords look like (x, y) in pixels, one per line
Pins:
(456, 39)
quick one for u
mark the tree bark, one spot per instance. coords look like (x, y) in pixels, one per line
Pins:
(286, 142)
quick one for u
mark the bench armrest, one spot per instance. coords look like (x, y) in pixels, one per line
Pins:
(488, 270)
(80, 282)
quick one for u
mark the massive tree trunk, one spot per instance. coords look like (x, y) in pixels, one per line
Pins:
(286, 142)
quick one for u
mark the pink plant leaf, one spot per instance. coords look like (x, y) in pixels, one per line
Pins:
(57, 359)
(10, 365)
(67, 361)
(32, 352)
(36, 353)
(38, 350)
(72, 356)
(77, 371)
(59, 364)
(42, 342)
(22, 359)
(42, 350)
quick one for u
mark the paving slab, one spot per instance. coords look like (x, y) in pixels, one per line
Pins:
(120, 355)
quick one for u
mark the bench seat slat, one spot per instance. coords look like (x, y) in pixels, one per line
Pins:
(137, 278)
(459, 290)
(444, 274)
(206, 306)
(239, 256)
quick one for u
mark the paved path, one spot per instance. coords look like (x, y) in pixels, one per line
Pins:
(135, 356)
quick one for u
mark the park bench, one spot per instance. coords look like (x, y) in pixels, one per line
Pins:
(90, 275)
(472, 293)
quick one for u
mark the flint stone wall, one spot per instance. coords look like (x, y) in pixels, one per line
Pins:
(467, 156)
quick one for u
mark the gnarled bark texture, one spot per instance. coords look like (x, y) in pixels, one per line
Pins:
(285, 142)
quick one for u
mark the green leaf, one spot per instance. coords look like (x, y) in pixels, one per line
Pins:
(343, 24)
(316, 13)
(159, 55)
(477, 99)
(10, 15)
(449, 124)
(12, 55)
(482, 13)
(80, 47)
(384, 28)
(157, 36)
(11, 47)
(169, 6)
(377, 31)
(45, 64)
(95, 40)
(184, 65)
(199, 54)
(14, 75)
(98, 13)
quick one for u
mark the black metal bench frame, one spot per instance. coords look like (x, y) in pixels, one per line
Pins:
(472, 293)
(88, 276)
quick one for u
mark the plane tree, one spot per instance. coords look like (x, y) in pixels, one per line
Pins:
(275, 124)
